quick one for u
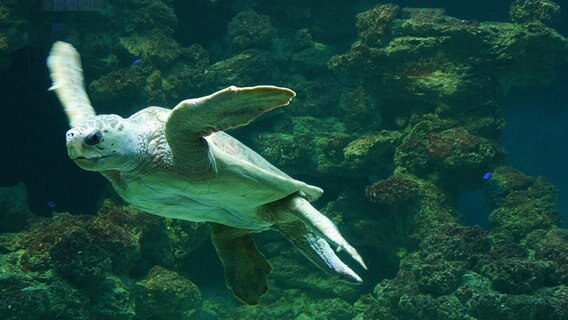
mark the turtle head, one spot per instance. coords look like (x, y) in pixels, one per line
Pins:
(104, 142)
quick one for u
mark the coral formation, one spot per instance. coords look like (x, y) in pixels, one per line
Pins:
(438, 94)
(544, 11)
(248, 30)
(164, 294)
(90, 263)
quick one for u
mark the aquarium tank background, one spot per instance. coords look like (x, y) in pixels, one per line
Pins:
(436, 128)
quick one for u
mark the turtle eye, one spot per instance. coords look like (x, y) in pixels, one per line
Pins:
(93, 138)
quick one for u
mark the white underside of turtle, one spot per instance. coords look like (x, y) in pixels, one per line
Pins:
(178, 163)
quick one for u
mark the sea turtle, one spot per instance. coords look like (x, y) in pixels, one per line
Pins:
(178, 163)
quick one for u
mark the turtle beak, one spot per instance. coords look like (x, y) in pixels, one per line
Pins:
(74, 144)
(74, 150)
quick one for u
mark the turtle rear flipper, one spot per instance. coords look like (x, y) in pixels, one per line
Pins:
(317, 250)
(246, 269)
(318, 223)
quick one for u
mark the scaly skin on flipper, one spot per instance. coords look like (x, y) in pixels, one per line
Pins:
(67, 75)
(246, 269)
(178, 164)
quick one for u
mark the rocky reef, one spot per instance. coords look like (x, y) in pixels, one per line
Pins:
(116, 265)
(438, 82)
(398, 114)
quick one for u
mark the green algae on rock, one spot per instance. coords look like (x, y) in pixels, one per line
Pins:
(89, 263)
(163, 294)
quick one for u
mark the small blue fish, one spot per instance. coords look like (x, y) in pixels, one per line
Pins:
(487, 175)
(136, 62)
(51, 204)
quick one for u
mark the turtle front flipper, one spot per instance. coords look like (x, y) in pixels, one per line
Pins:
(246, 269)
(317, 250)
(64, 64)
(232, 107)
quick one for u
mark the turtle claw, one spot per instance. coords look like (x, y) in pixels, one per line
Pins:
(354, 255)
(324, 227)
(351, 278)
(317, 249)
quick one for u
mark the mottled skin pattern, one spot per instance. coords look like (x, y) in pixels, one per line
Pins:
(178, 163)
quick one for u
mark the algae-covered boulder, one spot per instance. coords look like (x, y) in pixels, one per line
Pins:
(429, 56)
(87, 267)
(164, 294)
(248, 30)
(545, 11)
(521, 204)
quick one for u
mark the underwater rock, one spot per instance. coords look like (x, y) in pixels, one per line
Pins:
(85, 267)
(438, 282)
(114, 86)
(518, 276)
(112, 298)
(551, 245)
(439, 277)
(312, 61)
(358, 110)
(290, 273)
(22, 300)
(155, 46)
(545, 11)
(397, 190)
(495, 306)
(457, 243)
(164, 294)
(145, 15)
(78, 259)
(249, 30)
(439, 59)
(25, 295)
(521, 203)
(249, 66)
(135, 57)
(416, 207)
(281, 304)
(374, 25)
(290, 43)
(309, 145)
(457, 150)
(310, 101)
(14, 210)
(411, 153)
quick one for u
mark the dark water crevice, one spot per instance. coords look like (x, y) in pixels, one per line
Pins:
(33, 141)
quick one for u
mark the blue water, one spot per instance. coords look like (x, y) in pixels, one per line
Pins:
(536, 133)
